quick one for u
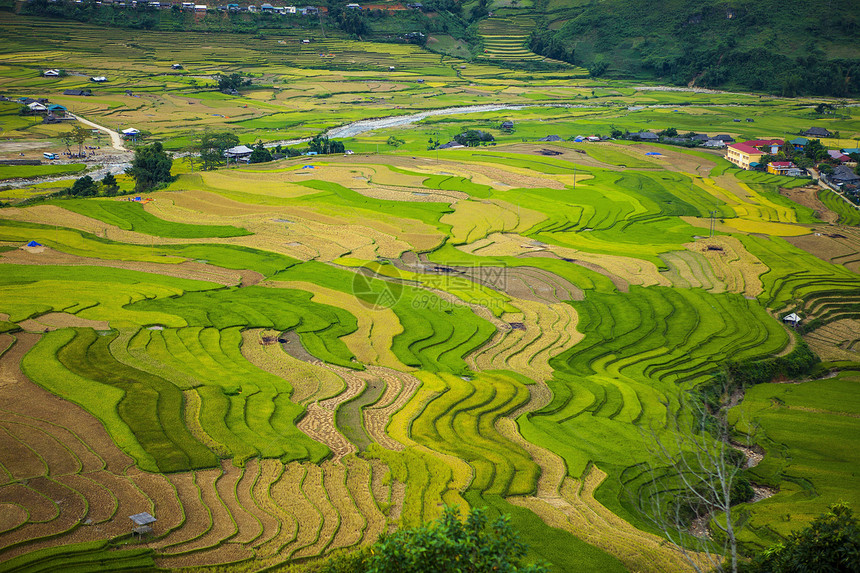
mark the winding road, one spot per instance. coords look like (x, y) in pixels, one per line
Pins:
(115, 138)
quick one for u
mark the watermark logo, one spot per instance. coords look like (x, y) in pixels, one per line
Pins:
(382, 286)
(377, 290)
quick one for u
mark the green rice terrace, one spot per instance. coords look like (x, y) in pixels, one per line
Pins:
(282, 361)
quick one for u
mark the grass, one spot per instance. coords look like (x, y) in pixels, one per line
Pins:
(33, 171)
(848, 215)
(133, 217)
(798, 425)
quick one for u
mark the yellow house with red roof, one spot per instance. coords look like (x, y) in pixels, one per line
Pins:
(748, 152)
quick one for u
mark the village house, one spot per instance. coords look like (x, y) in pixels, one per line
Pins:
(727, 139)
(78, 92)
(786, 168)
(239, 153)
(57, 110)
(507, 126)
(843, 174)
(747, 155)
(37, 108)
(645, 136)
(838, 156)
(817, 132)
(799, 143)
(714, 143)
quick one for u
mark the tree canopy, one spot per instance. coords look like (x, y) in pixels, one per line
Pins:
(473, 545)
(150, 167)
(831, 543)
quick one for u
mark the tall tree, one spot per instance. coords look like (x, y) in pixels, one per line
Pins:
(211, 146)
(150, 167)
(80, 134)
(698, 480)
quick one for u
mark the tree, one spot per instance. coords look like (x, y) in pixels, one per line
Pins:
(84, 187)
(150, 167)
(670, 132)
(815, 150)
(232, 82)
(448, 544)
(395, 141)
(80, 134)
(109, 184)
(323, 145)
(473, 138)
(830, 544)
(260, 154)
(698, 480)
(211, 146)
(67, 138)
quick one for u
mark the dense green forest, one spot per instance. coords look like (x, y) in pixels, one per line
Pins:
(788, 48)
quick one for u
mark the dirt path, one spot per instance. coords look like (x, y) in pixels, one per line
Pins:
(115, 139)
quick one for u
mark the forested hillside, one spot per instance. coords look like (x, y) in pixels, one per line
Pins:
(790, 48)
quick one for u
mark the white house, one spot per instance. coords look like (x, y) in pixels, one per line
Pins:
(200, 7)
(98, 79)
(716, 143)
(130, 133)
(238, 153)
(51, 73)
(37, 107)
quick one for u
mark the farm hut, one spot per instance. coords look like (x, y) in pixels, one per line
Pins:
(130, 133)
(34, 244)
(142, 523)
(450, 145)
(593, 138)
(508, 125)
(176, 67)
(550, 138)
(200, 7)
(579, 139)
(791, 319)
(98, 79)
(78, 92)
(51, 73)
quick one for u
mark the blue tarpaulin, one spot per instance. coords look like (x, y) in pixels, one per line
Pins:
(33, 244)
(308, 167)
(653, 153)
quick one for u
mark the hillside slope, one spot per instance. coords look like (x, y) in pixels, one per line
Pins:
(801, 47)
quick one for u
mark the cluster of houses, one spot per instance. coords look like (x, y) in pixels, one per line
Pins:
(714, 142)
(192, 7)
(49, 112)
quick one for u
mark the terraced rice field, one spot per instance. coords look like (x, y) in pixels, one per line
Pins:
(280, 363)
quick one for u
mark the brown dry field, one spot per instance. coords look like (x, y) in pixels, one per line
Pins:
(836, 244)
(808, 197)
